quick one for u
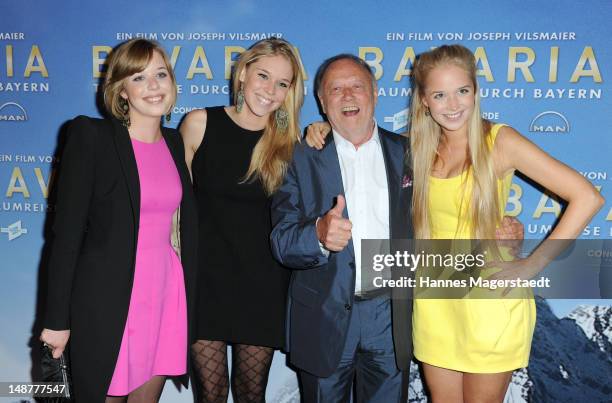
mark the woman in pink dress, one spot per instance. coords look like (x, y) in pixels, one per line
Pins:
(117, 288)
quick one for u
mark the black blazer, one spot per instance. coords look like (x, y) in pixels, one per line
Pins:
(91, 267)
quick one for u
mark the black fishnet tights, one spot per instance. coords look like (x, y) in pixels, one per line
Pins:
(210, 363)
(250, 368)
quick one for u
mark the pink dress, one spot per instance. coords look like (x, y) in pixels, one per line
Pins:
(155, 335)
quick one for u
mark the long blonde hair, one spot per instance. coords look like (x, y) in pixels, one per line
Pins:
(274, 149)
(425, 134)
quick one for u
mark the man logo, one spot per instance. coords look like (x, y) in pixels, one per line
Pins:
(12, 112)
(399, 120)
(549, 122)
(15, 230)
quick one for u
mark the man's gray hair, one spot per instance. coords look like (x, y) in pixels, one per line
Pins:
(343, 56)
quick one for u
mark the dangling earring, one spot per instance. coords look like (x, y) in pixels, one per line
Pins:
(239, 99)
(168, 116)
(125, 107)
(281, 117)
(427, 111)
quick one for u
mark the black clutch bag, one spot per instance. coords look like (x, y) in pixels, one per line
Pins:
(56, 371)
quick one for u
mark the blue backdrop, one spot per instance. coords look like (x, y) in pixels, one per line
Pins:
(543, 70)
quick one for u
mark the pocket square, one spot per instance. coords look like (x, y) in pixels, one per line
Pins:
(406, 181)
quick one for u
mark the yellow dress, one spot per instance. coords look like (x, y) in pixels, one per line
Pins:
(470, 335)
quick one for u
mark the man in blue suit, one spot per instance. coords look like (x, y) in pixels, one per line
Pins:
(356, 187)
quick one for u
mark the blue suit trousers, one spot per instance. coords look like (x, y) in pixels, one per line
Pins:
(367, 366)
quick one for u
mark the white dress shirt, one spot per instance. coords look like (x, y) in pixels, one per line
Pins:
(364, 179)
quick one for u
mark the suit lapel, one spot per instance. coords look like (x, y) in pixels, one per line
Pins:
(177, 156)
(329, 164)
(399, 219)
(394, 159)
(125, 151)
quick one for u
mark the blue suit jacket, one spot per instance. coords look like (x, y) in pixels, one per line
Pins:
(321, 290)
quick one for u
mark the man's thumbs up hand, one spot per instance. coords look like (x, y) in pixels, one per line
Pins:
(333, 230)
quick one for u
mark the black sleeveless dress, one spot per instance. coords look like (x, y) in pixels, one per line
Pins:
(242, 290)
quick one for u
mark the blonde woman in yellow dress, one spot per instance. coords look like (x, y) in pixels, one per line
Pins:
(463, 167)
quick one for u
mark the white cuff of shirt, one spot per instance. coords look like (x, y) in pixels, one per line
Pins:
(324, 251)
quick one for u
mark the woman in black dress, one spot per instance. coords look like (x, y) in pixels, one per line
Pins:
(238, 156)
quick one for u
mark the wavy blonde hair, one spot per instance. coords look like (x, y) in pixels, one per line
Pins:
(425, 134)
(274, 149)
